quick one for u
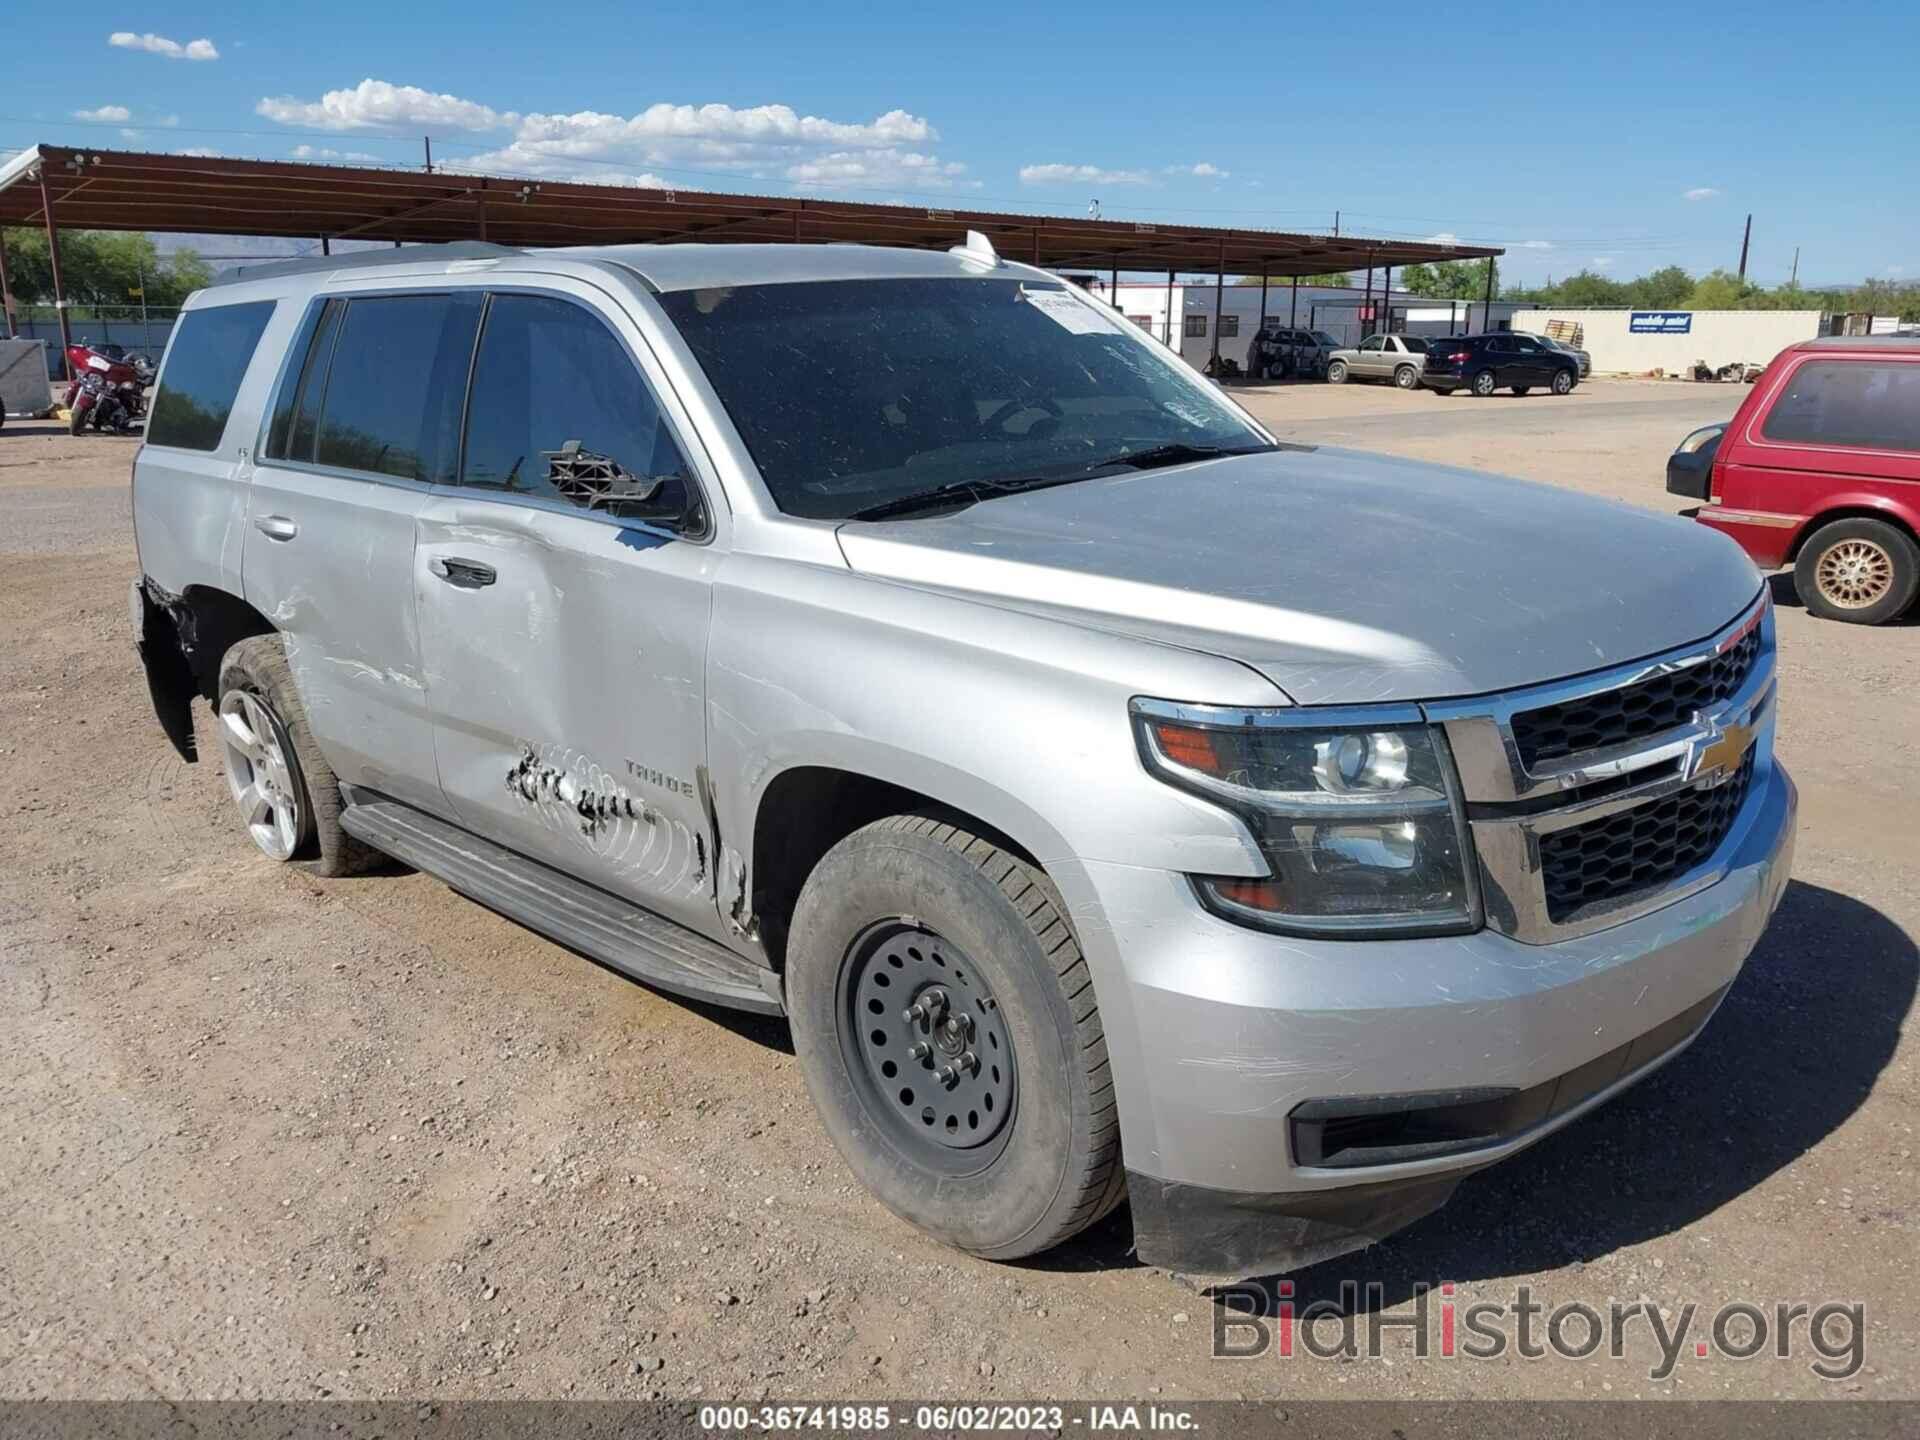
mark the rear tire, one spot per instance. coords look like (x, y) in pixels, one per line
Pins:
(1482, 384)
(1863, 572)
(917, 908)
(1337, 372)
(1406, 377)
(255, 684)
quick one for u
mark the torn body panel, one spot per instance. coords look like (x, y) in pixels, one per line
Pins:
(164, 631)
(569, 712)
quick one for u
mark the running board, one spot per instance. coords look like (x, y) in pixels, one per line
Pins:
(636, 942)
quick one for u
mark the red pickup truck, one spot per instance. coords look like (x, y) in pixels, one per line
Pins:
(1820, 469)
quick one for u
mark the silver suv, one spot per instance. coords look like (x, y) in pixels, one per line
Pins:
(1117, 800)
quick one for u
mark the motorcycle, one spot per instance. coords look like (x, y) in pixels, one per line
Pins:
(108, 387)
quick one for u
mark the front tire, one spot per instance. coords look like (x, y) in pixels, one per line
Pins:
(1337, 373)
(1483, 385)
(1563, 382)
(1864, 572)
(1008, 1155)
(287, 794)
(1406, 377)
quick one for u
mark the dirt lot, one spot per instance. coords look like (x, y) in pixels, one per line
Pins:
(270, 1137)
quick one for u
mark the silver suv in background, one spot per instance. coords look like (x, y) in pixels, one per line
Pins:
(902, 643)
(1399, 358)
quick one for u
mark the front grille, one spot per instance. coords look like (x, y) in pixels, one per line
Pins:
(1634, 712)
(1639, 849)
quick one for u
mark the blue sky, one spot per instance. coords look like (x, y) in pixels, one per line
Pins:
(1619, 137)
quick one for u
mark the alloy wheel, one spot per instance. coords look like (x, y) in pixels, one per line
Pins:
(258, 773)
(1854, 574)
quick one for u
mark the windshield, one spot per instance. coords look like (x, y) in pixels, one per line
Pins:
(851, 394)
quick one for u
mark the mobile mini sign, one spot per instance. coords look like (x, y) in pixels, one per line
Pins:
(1660, 322)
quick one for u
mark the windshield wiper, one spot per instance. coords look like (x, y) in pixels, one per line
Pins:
(1180, 453)
(962, 493)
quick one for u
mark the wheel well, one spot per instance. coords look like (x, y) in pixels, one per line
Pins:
(808, 810)
(1848, 512)
(207, 623)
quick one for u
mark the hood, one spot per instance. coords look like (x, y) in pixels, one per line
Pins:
(1343, 577)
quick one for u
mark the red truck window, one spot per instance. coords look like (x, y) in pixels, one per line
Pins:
(1849, 402)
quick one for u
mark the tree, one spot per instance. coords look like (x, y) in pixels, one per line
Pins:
(1722, 290)
(1447, 280)
(1665, 289)
(100, 267)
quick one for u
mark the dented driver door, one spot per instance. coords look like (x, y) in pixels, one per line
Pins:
(564, 642)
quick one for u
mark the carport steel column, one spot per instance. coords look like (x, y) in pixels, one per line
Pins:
(6, 286)
(1219, 299)
(53, 263)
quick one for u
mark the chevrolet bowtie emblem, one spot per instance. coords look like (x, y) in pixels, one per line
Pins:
(1716, 756)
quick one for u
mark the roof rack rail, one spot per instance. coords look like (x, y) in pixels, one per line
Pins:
(366, 259)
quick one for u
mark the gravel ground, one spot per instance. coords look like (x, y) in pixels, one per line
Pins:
(270, 1137)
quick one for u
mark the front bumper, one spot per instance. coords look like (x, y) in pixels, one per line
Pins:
(1220, 1035)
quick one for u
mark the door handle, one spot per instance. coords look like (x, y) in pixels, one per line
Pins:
(467, 574)
(276, 527)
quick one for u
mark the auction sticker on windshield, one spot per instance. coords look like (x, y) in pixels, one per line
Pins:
(1067, 312)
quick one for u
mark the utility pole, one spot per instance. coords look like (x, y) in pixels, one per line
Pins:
(1745, 239)
(1336, 224)
(1793, 281)
(427, 140)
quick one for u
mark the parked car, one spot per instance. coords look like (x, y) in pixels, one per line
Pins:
(904, 643)
(1555, 343)
(1399, 358)
(1820, 469)
(1501, 360)
(1284, 351)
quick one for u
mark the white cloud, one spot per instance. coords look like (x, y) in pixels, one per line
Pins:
(376, 102)
(322, 152)
(1080, 174)
(161, 45)
(762, 142)
(1205, 169)
(1699, 192)
(1531, 245)
(200, 152)
(1601, 262)
(126, 134)
(115, 114)
(1443, 237)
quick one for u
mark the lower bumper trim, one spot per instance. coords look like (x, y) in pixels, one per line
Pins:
(1197, 1230)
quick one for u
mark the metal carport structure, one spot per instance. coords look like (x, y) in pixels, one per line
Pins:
(86, 188)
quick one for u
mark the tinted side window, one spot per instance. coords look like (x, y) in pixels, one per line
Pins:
(210, 354)
(549, 376)
(1848, 402)
(303, 385)
(392, 398)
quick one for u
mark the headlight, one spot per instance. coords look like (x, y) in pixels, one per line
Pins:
(1356, 811)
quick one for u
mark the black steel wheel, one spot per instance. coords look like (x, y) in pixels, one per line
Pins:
(933, 1049)
(945, 1021)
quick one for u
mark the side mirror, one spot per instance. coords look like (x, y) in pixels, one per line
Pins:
(599, 482)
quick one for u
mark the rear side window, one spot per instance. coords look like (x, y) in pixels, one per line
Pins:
(1848, 402)
(555, 396)
(211, 351)
(392, 399)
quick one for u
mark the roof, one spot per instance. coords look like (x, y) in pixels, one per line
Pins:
(1904, 343)
(129, 190)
